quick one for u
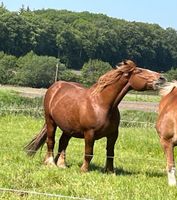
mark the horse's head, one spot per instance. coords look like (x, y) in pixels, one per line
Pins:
(143, 79)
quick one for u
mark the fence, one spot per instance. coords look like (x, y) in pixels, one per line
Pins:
(27, 192)
(129, 118)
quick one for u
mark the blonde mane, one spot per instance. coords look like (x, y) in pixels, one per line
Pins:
(113, 75)
(168, 88)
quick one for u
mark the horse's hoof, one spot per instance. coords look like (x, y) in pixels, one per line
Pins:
(61, 163)
(63, 166)
(172, 183)
(109, 170)
(49, 162)
(84, 169)
(171, 178)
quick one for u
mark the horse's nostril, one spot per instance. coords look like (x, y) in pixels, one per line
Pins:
(162, 79)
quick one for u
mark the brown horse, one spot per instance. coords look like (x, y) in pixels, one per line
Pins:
(89, 113)
(166, 127)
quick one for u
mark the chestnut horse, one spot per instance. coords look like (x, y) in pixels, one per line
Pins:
(89, 113)
(166, 126)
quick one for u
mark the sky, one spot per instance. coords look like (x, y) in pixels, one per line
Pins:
(162, 12)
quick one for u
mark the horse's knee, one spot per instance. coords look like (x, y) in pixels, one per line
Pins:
(166, 144)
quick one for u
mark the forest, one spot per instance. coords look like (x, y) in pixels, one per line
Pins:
(33, 42)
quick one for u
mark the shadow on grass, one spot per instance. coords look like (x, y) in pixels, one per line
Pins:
(123, 172)
(155, 174)
(117, 171)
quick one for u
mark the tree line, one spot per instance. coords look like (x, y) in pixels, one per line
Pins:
(33, 70)
(34, 40)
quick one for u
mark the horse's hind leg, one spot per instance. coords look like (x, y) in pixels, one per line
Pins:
(60, 159)
(169, 153)
(51, 128)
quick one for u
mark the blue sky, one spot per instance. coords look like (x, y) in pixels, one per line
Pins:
(162, 12)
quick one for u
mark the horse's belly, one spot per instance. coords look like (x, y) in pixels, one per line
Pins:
(72, 130)
(68, 125)
(65, 113)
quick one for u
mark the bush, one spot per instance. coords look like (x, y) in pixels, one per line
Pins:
(171, 74)
(37, 71)
(69, 75)
(92, 70)
(7, 67)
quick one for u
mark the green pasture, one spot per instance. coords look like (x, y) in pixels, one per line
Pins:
(139, 160)
(139, 166)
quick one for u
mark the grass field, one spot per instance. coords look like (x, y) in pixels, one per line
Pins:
(139, 160)
(139, 166)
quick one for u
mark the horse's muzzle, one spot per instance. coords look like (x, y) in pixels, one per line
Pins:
(160, 82)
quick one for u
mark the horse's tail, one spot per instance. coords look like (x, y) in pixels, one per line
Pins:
(37, 142)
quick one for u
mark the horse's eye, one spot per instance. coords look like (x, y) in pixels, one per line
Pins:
(137, 71)
(125, 74)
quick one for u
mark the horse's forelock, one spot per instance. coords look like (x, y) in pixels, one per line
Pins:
(126, 66)
(167, 88)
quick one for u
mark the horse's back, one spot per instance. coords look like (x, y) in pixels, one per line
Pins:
(61, 88)
(64, 93)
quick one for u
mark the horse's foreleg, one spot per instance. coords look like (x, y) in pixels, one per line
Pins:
(109, 167)
(89, 143)
(60, 159)
(51, 128)
(169, 153)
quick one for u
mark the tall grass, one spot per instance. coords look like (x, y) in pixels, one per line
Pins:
(13, 98)
(12, 102)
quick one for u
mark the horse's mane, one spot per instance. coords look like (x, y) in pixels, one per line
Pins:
(113, 75)
(168, 88)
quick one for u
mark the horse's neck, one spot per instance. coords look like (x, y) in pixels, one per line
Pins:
(120, 95)
(113, 94)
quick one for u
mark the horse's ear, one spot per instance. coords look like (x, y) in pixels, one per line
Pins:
(125, 62)
(115, 67)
